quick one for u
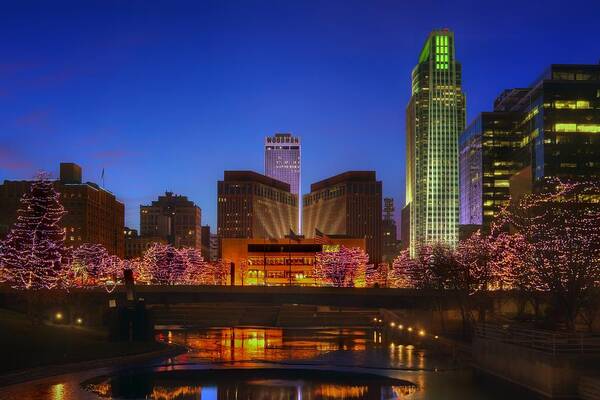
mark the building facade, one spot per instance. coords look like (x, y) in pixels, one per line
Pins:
(279, 262)
(174, 219)
(282, 162)
(490, 153)
(94, 215)
(548, 130)
(136, 245)
(389, 235)
(348, 204)
(435, 116)
(205, 235)
(559, 118)
(251, 205)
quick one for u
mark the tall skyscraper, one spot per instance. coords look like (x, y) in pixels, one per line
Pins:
(173, 218)
(348, 204)
(435, 116)
(282, 162)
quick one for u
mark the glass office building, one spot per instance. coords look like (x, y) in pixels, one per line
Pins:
(489, 155)
(435, 117)
(550, 129)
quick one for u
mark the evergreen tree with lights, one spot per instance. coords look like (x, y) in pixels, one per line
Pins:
(34, 253)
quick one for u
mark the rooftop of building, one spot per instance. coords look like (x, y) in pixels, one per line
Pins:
(424, 55)
(70, 175)
(348, 176)
(174, 199)
(282, 138)
(251, 176)
(513, 99)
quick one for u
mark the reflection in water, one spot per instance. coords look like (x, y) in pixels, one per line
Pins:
(252, 384)
(58, 391)
(264, 344)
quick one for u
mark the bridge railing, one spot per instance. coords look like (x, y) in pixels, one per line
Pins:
(556, 343)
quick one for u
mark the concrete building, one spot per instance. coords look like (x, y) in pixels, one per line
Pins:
(173, 218)
(251, 205)
(136, 245)
(214, 247)
(282, 162)
(347, 204)
(205, 235)
(435, 116)
(279, 262)
(94, 215)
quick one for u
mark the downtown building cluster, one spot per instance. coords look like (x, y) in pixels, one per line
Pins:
(265, 221)
(459, 177)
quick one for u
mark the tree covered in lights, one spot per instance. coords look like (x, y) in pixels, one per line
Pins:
(34, 252)
(341, 268)
(164, 265)
(560, 228)
(403, 270)
(376, 275)
(199, 271)
(89, 264)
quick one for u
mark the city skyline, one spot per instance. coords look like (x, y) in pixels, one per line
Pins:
(343, 110)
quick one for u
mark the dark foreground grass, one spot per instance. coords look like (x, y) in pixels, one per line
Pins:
(25, 345)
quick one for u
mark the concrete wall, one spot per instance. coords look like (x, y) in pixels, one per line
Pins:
(552, 376)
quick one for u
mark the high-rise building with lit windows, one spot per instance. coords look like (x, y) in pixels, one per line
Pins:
(435, 116)
(490, 153)
(282, 162)
(550, 129)
(559, 122)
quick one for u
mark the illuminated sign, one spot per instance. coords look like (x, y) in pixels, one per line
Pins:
(331, 248)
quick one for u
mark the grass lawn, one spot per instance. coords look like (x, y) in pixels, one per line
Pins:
(24, 345)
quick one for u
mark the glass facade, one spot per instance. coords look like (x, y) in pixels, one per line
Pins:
(489, 155)
(435, 117)
(551, 129)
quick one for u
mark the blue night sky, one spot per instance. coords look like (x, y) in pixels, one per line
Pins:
(166, 95)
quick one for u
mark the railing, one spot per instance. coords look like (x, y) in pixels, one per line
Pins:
(556, 343)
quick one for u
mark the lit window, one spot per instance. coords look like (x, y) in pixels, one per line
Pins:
(591, 128)
(583, 104)
(563, 127)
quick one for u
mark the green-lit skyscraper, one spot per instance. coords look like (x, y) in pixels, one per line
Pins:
(435, 117)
